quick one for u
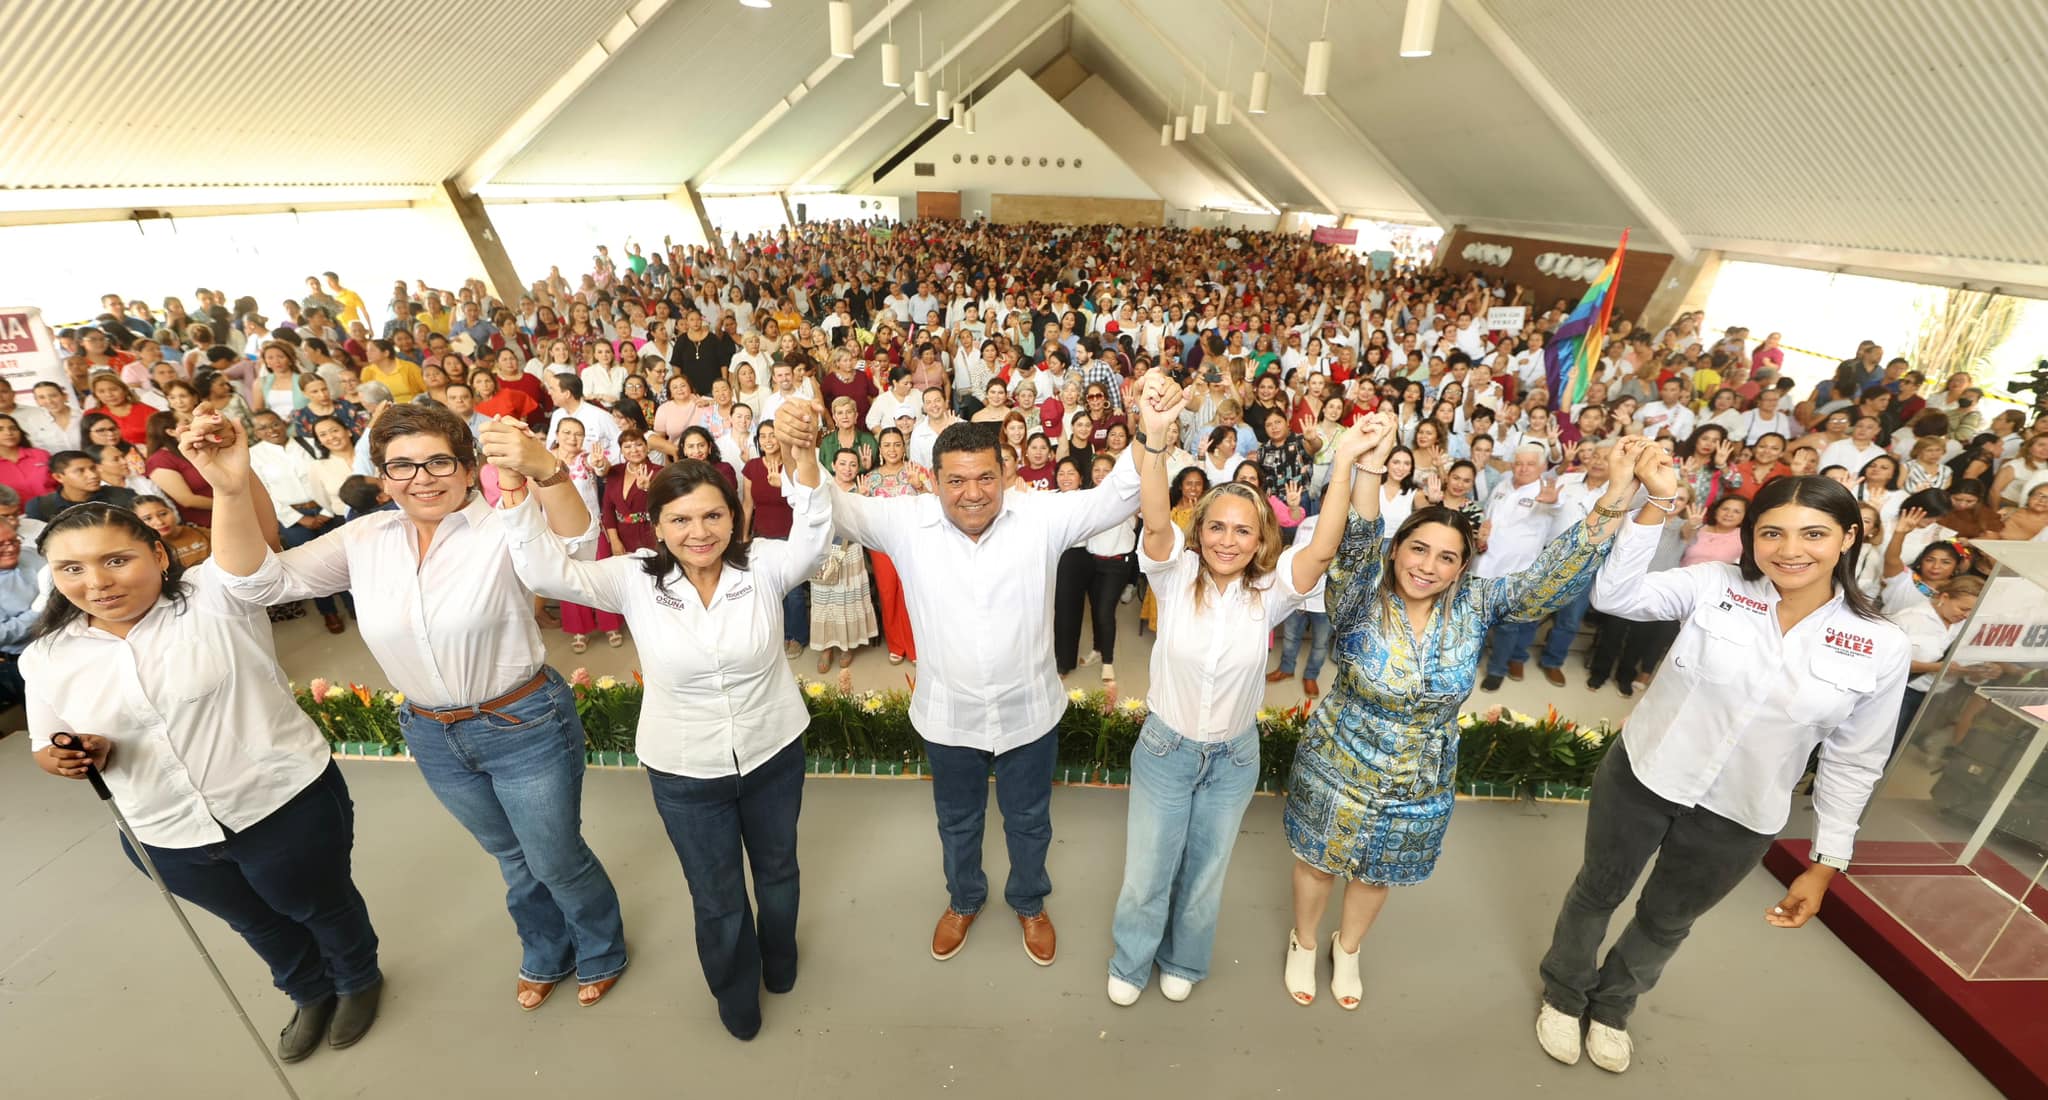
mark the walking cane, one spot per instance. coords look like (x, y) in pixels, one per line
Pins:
(99, 787)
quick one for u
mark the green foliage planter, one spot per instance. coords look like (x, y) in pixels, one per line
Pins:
(1502, 754)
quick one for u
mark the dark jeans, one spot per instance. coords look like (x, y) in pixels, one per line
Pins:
(1510, 646)
(1023, 791)
(1564, 630)
(1624, 647)
(796, 615)
(1106, 581)
(12, 691)
(1908, 707)
(722, 828)
(283, 885)
(1071, 577)
(1701, 857)
(295, 535)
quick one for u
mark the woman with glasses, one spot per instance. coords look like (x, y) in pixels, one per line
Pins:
(493, 728)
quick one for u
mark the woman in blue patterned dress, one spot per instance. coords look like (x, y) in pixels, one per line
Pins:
(1370, 793)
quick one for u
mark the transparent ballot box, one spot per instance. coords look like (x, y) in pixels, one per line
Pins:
(1954, 845)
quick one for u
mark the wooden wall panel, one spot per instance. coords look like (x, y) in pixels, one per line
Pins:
(1075, 210)
(939, 204)
(1641, 269)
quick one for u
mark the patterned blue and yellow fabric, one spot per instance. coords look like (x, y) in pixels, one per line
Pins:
(1370, 795)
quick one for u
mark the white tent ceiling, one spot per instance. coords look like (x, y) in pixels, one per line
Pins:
(1890, 135)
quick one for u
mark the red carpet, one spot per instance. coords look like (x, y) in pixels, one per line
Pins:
(2001, 1026)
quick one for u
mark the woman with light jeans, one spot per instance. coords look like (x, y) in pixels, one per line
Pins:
(1196, 763)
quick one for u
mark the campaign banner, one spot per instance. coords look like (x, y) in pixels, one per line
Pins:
(1507, 318)
(2011, 625)
(28, 349)
(1330, 234)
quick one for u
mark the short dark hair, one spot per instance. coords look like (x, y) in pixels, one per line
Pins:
(967, 437)
(570, 384)
(679, 479)
(221, 353)
(359, 493)
(62, 460)
(435, 419)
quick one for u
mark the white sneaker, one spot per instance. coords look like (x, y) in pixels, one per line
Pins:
(1173, 988)
(1124, 993)
(1609, 1048)
(1092, 657)
(1558, 1033)
(1130, 593)
(1109, 674)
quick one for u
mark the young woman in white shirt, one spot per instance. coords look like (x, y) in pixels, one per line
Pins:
(1673, 787)
(491, 726)
(721, 734)
(603, 378)
(170, 686)
(1196, 763)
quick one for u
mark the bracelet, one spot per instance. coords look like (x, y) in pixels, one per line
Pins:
(1150, 449)
(1609, 513)
(1381, 472)
(1647, 496)
(1667, 509)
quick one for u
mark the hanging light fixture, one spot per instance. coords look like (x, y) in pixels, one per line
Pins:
(968, 124)
(959, 101)
(839, 20)
(1223, 92)
(1166, 133)
(892, 57)
(1315, 72)
(1255, 103)
(1418, 28)
(1180, 117)
(920, 81)
(755, 3)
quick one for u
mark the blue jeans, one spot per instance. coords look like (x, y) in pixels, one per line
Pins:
(1187, 800)
(1023, 791)
(722, 828)
(1564, 630)
(283, 884)
(796, 615)
(1510, 643)
(516, 783)
(1317, 624)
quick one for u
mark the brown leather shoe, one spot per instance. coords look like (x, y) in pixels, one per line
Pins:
(1555, 676)
(1039, 941)
(1278, 675)
(951, 934)
(334, 625)
(1514, 670)
(1309, 688)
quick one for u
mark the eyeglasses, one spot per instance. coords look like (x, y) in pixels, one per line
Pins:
(403, 470)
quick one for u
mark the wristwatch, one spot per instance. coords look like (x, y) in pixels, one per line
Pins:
(1837, 862)
(560, 475)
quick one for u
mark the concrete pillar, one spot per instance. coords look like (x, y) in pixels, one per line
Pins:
(788, 211)
(689, 197)
(1685, 287)
(483, 237)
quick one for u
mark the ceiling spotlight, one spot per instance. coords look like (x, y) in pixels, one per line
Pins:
(1418, 28)
(839, 21)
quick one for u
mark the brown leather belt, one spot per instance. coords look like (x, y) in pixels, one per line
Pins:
(489, 706)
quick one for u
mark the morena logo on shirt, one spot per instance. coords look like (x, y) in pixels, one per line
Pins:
(1747, 603)
(1850, 643)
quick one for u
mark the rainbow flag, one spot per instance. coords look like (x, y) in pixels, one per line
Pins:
(1571, 357)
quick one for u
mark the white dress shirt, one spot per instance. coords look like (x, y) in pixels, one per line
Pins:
(1209, 662)
(287, 475)
(982, 609)
(1848, 455)
(42, 430)
(454, 629)
(205, 730)
(598, 427)
(1521, 525)
(1730, 720)
(1656, 416)
(1755, 425)
(720, 696)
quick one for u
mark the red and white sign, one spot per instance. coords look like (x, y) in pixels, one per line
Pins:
(28, 349)
(1330, 234)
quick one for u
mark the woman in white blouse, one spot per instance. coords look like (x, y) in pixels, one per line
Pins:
(604, 378)
(721, 731)
(492, 727)
(221, 775)
(1196, 763)
(1703, 774)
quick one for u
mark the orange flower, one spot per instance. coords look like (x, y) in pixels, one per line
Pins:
(637, 679)
(362, 693)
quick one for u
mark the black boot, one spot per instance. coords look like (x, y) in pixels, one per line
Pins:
(354, 1015)
(308, 1026)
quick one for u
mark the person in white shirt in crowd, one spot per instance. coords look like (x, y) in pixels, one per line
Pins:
(721, 735)
(600, 428)
(752, 354)
(34, 420)
(987, 699)
(492, 727)
(375, 398)
(168, 684)
(1196, 763)
(286, 470)
(1859, 448)
(1518, 523)
(1932, 623)
(604, 376)
(1680, 786)
(1669, 414)
(59, 427)
(1765, 418)
(924, 438)
(898, 395)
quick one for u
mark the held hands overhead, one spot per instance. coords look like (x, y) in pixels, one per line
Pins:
(517, 451)
(216, 446)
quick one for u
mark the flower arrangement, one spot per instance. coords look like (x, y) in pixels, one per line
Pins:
(1501, 754)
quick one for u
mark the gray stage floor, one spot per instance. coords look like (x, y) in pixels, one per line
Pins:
(101, 997)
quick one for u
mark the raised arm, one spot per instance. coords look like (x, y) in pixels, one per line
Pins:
(244, 533)
(1354, 488)
(524, 462)
(1569, 564)
(1626, 588)
(1155, 505)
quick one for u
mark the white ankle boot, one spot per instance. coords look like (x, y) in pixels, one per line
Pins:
(1345, 984)
(1609, 1048)
(1558, 1033)
(1122, 992)
(1173, 988)
(1301, 971)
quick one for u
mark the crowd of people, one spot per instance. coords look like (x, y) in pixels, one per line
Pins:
(965, 443)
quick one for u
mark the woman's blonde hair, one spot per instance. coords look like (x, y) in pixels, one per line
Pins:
(1262, 562)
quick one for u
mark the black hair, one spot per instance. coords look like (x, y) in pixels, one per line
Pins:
(679, 479)
(710, 444)
(1823, 495)
(570, 384)
(1179, 491)
(58, 610)
(967, 437)
(360, 494)
(1084, 470)
(62, 460)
